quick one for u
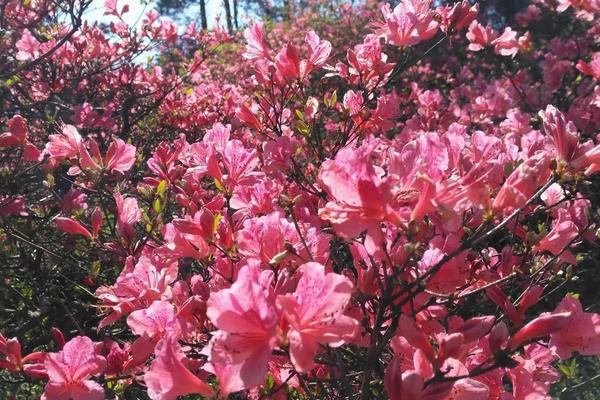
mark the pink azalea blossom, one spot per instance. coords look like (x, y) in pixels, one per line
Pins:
(168, 376)
(480, 37)
(360, 198)
(315, 313)
(507, 43)
(137, 286)
(70, 369)
(592, 68)
(71, 226)
(119, 156)
(247, 320)
(562, 235)
(411, 22)
(65, 145)
(581, 334)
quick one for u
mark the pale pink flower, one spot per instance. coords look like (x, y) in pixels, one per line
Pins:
(318, 52)
(28, 46)
(315, 313)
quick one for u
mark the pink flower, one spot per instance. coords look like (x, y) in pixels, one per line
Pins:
(402, 385)
(581, 334)
(315, 313)
(287, 62)
(168, 377)
(563, 133)
(154, 321)
(540, 327)
(17, 132)
(318, 52)
(359, 198)
(522, 183)
(32, 364)
(592, 68)
(136, 287)
(28, 47)
(247, 320)
(69, 370)
(256, 46)
(479, 36)
(128, 214)
(459, 16)
(71, 226)
(507, 43)
(119, 156)
(411, 22)
(563, 233)
(64, 146)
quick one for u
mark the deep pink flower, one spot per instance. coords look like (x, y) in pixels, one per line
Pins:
(128, 214)
(136, 287)
(119, 156)
(154, 321)
(563, 233)
(522, 183)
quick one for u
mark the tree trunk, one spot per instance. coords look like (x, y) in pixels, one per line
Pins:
(228, 16)
(203, 20)
(235, 14)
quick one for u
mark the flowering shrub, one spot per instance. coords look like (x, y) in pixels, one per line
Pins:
(363, 202)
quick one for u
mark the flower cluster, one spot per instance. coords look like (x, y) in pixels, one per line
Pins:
(395, 205)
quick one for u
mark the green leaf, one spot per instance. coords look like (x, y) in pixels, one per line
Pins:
(95, 269)
(161, 189)
(219, 185)
(277, 258)
(157, 205)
